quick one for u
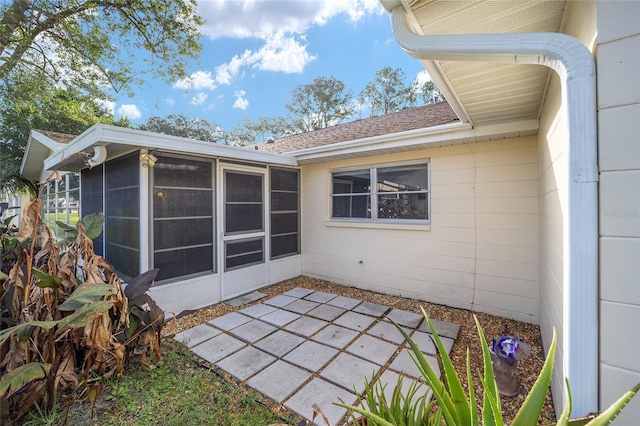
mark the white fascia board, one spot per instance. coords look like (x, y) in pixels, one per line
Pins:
(575, 66)
(410, 139)
(37, 149)
(101, 134)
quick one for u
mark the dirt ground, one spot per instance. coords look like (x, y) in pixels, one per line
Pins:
(493, 327)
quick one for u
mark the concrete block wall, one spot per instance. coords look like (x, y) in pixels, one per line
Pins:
(618, 64)
(480, 251)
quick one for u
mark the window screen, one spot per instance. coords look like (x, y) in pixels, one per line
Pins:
(285, 212)
(183, 219)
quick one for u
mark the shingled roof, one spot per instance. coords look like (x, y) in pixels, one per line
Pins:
(399, 121)
(57, 137)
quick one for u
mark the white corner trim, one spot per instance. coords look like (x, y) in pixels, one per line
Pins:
(574, 63)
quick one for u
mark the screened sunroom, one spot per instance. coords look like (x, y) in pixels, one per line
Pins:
(217, 221)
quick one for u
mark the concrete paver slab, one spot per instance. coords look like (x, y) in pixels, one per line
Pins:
(355, 321)
(323, 393)
(372, 309)
(279, 343)
(301, 306)
(196, 335)
(298, 292)
(320, 297)
(387, 331)
(372, 349)
(344, 302)
(326, 312)
(253, 331)
(404, 364)
(246, 362)
(257, 311)
(280, 300)
(333, 335)
(230, 321)
(279, 380)
(311, 355)
(406, 318)
(426, 345)
(443, 328)
(217, 348)
(306, 326)
(349, 371)
(280, 317)
(245, 298)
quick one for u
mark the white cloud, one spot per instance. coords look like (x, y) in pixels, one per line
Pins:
(129, 111)
(199, 98)
(198, 80)
(169, 101)
(422, 77)
(280, 53)
(259, 18)
(241, 102)
(108, 105)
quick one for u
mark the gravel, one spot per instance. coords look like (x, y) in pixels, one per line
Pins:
(493, 327)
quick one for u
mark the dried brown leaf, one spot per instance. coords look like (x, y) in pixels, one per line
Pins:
(30, 219)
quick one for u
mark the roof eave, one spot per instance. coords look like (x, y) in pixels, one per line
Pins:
(106, 135)
(432, 137)
(37, 150)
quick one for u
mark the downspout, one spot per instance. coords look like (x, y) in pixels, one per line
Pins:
(99, 155)
(573, 62)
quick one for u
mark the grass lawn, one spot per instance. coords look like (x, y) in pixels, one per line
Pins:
(177, 392)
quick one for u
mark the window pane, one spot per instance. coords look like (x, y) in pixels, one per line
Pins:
(240, 187)
(182, 202)
(242, 253)
(177, 263)
(403, 206)
(170, 171)
(352, 206)
(123, 172)
(243, 218)
(182, 232)
(284, 201)
(354, 182)
(92, 196)
(122, 232)
(283, 245)
(284, 180)
(284, 223)
(124, 260)
(123, 202)
(403, 178)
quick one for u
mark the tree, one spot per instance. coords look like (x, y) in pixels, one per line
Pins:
(430, 93)
(248, 132)
(323, 103)
(55, 109)
(97, 44)
(64, 55)
(388, 93)
(183, 126)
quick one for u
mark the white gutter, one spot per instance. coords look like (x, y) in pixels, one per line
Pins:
(574, 63)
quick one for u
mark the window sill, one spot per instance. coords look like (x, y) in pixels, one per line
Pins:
(378, 225)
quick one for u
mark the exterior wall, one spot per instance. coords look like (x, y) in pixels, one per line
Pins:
(618, 61)
(553, 168)
(480, 251)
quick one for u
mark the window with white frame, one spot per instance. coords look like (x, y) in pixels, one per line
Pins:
(61, 202)
(398, 193)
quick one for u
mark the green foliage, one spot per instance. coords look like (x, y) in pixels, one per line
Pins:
(320, 104)
(183, 126)
(66, 315)
(248, 132)
(451, 404)
(388, 92)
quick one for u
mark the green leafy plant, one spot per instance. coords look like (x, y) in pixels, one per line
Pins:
(66, 319)
(453, 407)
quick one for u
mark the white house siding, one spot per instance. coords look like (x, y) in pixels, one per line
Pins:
(480, 251)
(618, 61)
(553, 166)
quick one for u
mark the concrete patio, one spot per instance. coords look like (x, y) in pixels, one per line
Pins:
(307, 347)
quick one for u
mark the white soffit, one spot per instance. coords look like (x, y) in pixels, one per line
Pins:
(491, 92)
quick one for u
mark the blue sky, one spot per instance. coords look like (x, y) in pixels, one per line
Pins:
(256, 51)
